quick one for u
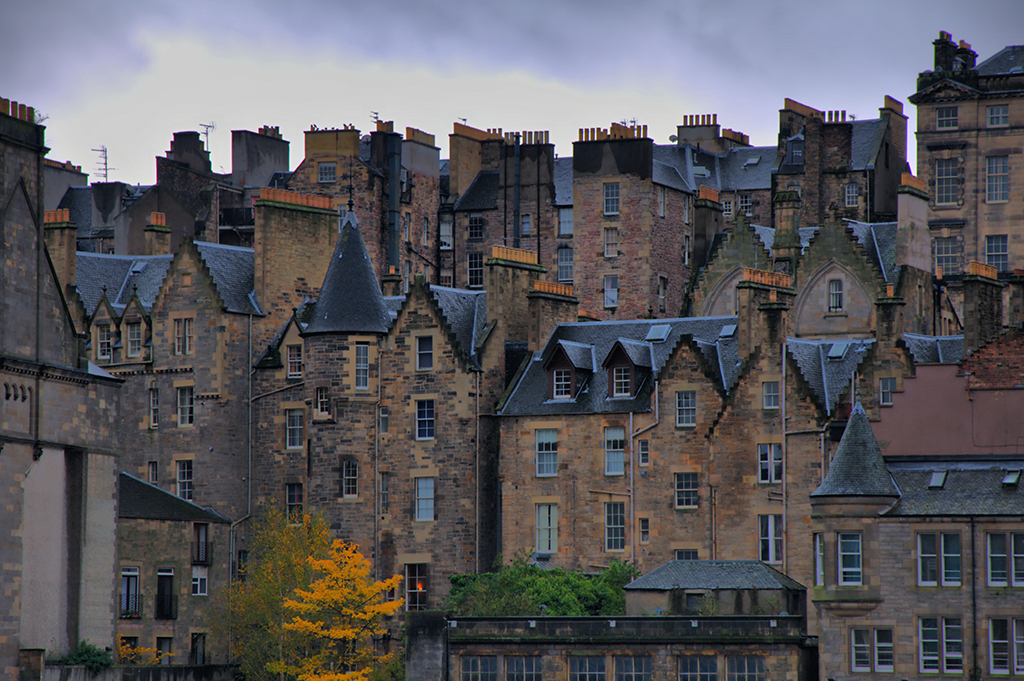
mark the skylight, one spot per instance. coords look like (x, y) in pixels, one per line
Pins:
(752, 161)
(658, 333)
(1011, 478)
(937, 480)
(838, 350)
(138, 266)
(727, 331)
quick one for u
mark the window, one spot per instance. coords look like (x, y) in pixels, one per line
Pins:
(686, 490)
(819, 559)
(185, 479)
(611, 242)
(154, 408)
(476, 269)
(166, 599)
(384, 418)
(561, 384)
(518, 668)
(883, 650)
(770, 395)
(416, 586)
(999, 646)
(565, 264)
(686, 250)
(479, 668)
(770, 537)
(407, 218)
(424, 352)
(197, 653)
(445, 232)
(293, 429)
(426, 231)
(424, 419)
(134, 339)
(940, 648)
(661, 203)
(293, 501)
(201, 544)
(586, 668)
(614, 450)
(200, 578)
(686, 408)
(632, 668)
(745, 668)
(952, 645)
(947, 181)
(328, 172)
(727, 208)
(614, 525)
(621, 381)
(547, 528)
(886, 387)
(385, 492)
(643, 452)
(852, 194)
(446, 276)
(698, 668)
(525, 222)
(662, 292)
(103, 342)
(323, 400)
(294, 361)
(997, 179)
(746, 205)
(165, 647)
(862, 659)
(946, 118)
(1002, 571)
(424, 499)
(996, 253)
(860, 650)
(947, 254)
(611, 290)
(687, 554)
(476, 226)
(849, 558)
(998, 116)
(565, 221)
(131, 603)
(645, 530)
(183, 336)
(611, 198)
(835, 295)
(547, 452)
(186, 406)
(153, 472)
(769, 462)
(350, 478)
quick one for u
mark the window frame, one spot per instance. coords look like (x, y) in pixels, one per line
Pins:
(846, 573)
(444, 232)
(947, 181)
(880, 646)
(643, 453)
(997, 179)
(425, 413)
(745, 205)
(524, 668)
(565, 264)
(997, 251)
(622, 381)
(611, 291)
(294, 360)
(699, 667)
(687, 490)
(947, 254)
(362, 366)
(947, 118)
(770, 464)
(134, 339)
(478, 668)
(104, 342)
(183, 336)
(614, 526)
(294, 500)
(424, 502)
(835, 295)
(751, 669)
(770, 395)
(327, 172)
(323, 400)
(475, 227)
(819, 559)
(546, 534)
(632, 667)
(851, 195)
(614, 450)
(424, 353)
(561, 384)
(417, 586)
(475, 270)
(997, 116)
(154, 408)
(886, 387)
(770, 538)
(546, 452)
(610, 235)
(350, 479)
(686, 409)
(200, 580)
(294, 429)
(186, 403)
(184, 480)
(612, 197)
(587, 668)
(562, 221)
(524, 224)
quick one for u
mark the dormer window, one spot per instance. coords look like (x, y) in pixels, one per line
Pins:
(623, 363)
(561, 383)
(621, 381)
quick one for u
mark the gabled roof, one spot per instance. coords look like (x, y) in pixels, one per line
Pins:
(563, 181)
(879, 240)
(585, 341)
(78, 201)
(857, 467)
(969, 488)
(466, 315)
(935, 349)
(638, 353)
(747, 168)
(713, 574)
(482, 194)
(1008, 60)
(827, 366)
(767, 236)
(138, 499)
(350, 300)
(865, 141)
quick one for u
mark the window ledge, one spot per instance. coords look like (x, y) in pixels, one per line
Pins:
(836, 313)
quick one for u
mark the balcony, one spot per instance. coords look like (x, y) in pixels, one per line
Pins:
(131, 606)
(202, 553)
(237, 217)
(166, 607)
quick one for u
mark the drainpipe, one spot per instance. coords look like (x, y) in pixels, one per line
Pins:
(515, 197)
(785, 461)
(632, 504)
(377, 510)
(975, 672)
(476, 501)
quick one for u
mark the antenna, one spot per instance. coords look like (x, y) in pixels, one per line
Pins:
(374, 116)
(462, 119)
(103, 170)
(207, 127)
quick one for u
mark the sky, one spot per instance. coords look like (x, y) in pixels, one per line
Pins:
(127, 74)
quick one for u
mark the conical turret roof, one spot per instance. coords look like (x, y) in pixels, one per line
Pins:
(857, 468)
(350, 299)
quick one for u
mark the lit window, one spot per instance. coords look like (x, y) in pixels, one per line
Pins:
(561, 384)
(328, 171)
(445, 232)
(614, 450)
(686, 408)
(547, 452)
(154, 408)
(350, 478)
(476, 269)
(998, 116)
(835, 295)
(183, 336)
(643, 452)
(770, 395)
(770, 537)
(849, 558)
(947, 181)
(134, 339)
(946, 118)
(632, 668)
(185, 479)
(565, 221)
(416, 586)
(614, 525)
(294, 361)
(947, 254)
(686, 490)
(565, 264)
(886, 387)
(611, 290)
(621, 382)
(293, 429)
(424, 352)
(746, 205)
(479, 668)
(424, 419)
(769, 462)
(745, 668)
(611, 242)
(611, 198)
(698, 668)
(186, 406)
(997, 179)
(525, 222)
(476, 226)
(996, 253)
(852, 194)
(323, 400)
(424, 499)
(547, 528)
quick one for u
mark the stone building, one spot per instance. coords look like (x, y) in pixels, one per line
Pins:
(970, 118)
(58, 433)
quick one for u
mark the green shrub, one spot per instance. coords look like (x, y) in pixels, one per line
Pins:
(87, 655)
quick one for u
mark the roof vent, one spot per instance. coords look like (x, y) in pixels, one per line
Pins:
(938, 480)
(752, 161)
(658, 333)
(728, 331)
(1011, 478)
(838, 350)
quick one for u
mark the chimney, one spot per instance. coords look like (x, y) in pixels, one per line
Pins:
(965, 56)
(707, 221)
(391, 282)
(157, 235)
(786, 207)
(914, 243)
(511, 273)
(945, 51)
(762, 317)
(61, 236)
(550, 304)
(983, 305)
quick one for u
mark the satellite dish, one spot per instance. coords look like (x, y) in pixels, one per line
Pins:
(673, 138)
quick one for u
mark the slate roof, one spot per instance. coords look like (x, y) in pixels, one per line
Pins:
(935, 349)
(671, 167)
(350, 300)
(482, 194)
(865, 141)
(588, 343)
(138, 499)
(879, 240)
(767, 236)
(827, 377)
(563, 181)
(713, 574)
(969, 488)
(738, 174)
(1010, 59)
(78, 201)
(857, 467)
(466, 314)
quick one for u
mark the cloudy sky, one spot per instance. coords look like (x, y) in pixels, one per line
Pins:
(127, 74)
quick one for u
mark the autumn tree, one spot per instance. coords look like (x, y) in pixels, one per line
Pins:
(337, 618)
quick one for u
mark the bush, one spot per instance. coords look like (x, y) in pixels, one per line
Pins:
(87, 655)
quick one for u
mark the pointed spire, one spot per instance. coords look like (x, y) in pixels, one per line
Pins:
(857, 468)
(350, 299)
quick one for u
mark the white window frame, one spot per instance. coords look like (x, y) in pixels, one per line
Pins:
(746, 205)
(294, 361)
(323, 400)
(154, 408)
(643, 453)
(565, 222)
(475, 227)
(611, 242)
(104, 342)
(686, 409)
(426, 231)
(997, 116)
(947, 118)
(1000, 655)
(446, 277)
(849, 559)
(350, 479)
(561, 383)
(294, 428)
(611, 291)
(687, 493)
(185, 479)
(134, 339)
(644, 530)
(886, 387)
(186, 406)
(546, 449)
(614, 450)
(770, 535)
(565, 264)
(947, 181)
(947, 254)
(622, 382)
(200, 580)
(1017, 646)
(997, 179)
(153, 472)
(860, 649)
(475, 269)
(424, 353)
(614, 526)
(886, 646)
(425, 414)
(851, 195)
(611, 198)
(661, 203)
(445, 232)
(727, 208)
(927, 559)
(770, 468)
(819, 559)
(425, 499)
(997, 253)
(929, 647)
(524, 224)
(547, 528)
(183, 338)
(835, 295)
(327, 171)
(385, 491)
(952, 645)
(770, 394)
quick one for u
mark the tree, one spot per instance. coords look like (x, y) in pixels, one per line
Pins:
(337, 617)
